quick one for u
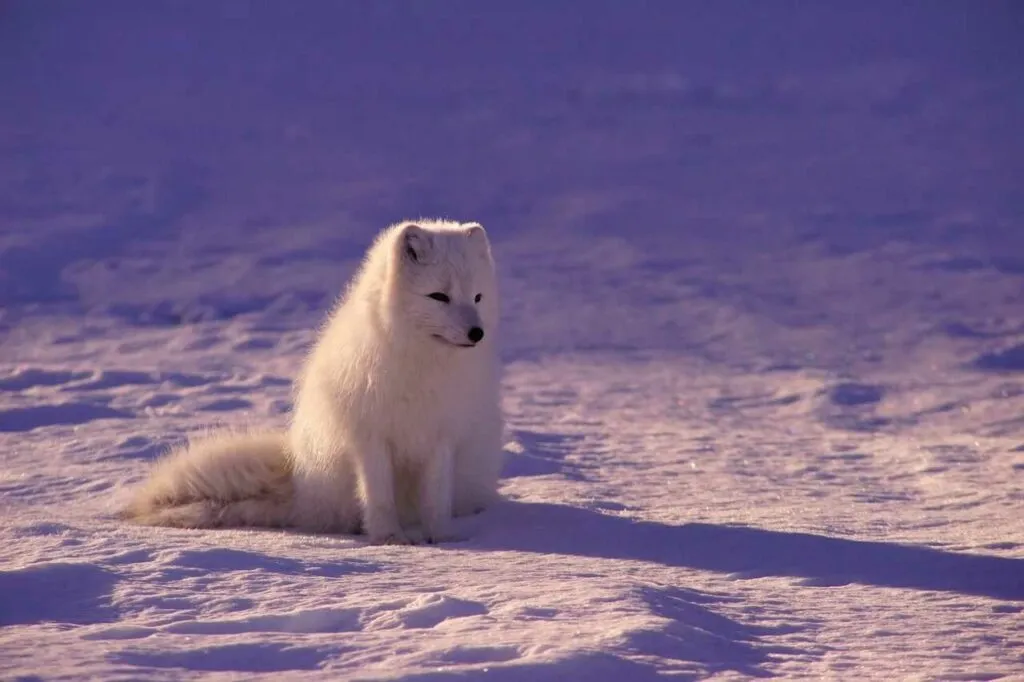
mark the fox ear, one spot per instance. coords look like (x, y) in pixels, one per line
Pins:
(475, 230)
(415, 243)
(478, 237)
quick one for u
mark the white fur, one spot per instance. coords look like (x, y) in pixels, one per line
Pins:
(397, 423)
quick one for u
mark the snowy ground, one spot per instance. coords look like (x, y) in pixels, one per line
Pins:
(763, 273)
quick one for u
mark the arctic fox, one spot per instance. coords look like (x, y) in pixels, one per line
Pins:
(397, 424)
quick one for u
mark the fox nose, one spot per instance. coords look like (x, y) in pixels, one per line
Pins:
(475, 334)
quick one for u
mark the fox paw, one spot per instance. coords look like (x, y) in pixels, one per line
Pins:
(439, 536)
(419, 536)
(390, 538)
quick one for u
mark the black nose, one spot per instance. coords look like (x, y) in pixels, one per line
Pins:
(475, 334)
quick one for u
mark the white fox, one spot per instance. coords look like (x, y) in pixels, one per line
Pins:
(397, 424)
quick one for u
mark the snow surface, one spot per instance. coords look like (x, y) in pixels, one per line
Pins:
(763, 274)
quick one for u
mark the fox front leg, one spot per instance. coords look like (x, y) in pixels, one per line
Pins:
(436, 489)
(377, 490)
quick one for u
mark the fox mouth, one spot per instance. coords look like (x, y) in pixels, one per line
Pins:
(457, 345)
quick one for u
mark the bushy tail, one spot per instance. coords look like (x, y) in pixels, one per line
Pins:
(229, 479)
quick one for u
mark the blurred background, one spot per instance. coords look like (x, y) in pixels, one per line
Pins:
(812, 183)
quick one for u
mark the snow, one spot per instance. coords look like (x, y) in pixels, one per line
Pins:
(763, 287)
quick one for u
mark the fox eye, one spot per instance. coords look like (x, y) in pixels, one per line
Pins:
(477, 298)
(438, 296)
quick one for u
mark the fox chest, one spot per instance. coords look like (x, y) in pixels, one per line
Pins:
(419, 423)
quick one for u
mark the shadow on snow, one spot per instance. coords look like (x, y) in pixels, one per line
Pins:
(750, 552)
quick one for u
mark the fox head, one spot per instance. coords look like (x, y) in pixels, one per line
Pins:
(444, 283)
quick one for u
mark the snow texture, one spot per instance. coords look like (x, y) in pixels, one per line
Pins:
(763, 279)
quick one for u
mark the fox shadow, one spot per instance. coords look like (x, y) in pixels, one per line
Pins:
(748, 552)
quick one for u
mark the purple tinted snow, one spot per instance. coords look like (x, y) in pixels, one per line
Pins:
(73, 593)
(751, 552)
(63, 414)
(152, 114)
